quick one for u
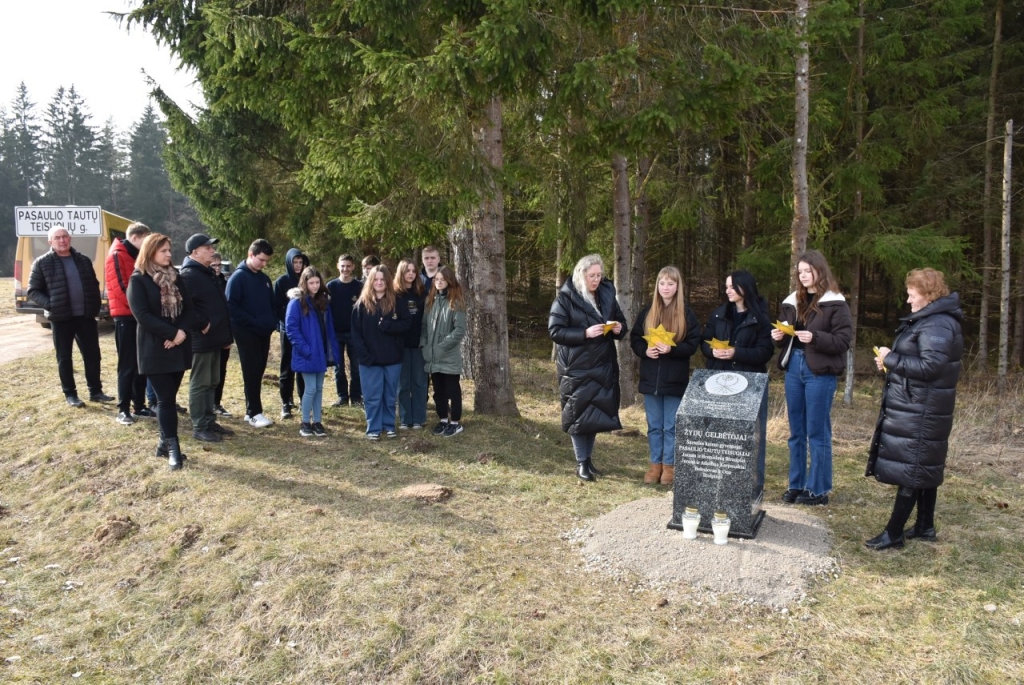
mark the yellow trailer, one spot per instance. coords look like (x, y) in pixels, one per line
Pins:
(92, 230)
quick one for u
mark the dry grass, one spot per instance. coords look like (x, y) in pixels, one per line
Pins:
(277, 559)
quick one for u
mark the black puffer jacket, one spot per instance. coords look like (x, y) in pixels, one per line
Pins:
(669, 374)
(48, 285)
(588, 369)
(751, 340)
(912, 433)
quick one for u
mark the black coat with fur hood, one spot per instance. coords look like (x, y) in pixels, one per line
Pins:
(588, 368)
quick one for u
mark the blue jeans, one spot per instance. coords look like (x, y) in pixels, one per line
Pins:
(661, 427)
(312, 396)
(412, 390)
(809, 407)
(380, 390)
(583, 445)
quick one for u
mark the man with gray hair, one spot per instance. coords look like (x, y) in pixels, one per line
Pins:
(63, 282)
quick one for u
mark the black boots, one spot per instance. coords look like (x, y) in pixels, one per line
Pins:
(918, 533)
(884, 541)
(161, 450)
(174, 460)
(892, 536)
(585, 471)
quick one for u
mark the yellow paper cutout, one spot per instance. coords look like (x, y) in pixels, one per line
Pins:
(878, 353)
(610, 326)
(785, 328)
(660, 335)
(717, 344)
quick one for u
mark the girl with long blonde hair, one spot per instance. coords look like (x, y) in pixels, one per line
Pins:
(664, 367)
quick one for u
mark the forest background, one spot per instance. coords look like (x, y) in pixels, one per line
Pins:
(523, 135)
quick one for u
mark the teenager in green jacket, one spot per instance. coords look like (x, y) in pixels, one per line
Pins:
(444, 327)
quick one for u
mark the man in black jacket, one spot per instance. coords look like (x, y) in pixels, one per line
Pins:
(251, 305)
(211, 334)
(63, 282)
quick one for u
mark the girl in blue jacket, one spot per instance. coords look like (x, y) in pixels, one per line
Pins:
(310, 330)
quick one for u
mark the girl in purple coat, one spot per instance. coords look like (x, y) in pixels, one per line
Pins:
(314, 345)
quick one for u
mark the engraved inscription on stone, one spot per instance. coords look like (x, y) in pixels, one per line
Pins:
(725, 384)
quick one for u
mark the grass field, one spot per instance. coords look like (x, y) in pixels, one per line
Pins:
(277, 559)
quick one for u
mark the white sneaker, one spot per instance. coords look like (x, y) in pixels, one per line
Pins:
(258, 421)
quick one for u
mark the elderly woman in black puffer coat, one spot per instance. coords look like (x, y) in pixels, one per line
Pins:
(912, 434)
(584, 322)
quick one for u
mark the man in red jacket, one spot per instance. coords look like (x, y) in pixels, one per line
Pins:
(131, 385)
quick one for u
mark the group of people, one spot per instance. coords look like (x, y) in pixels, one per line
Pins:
(813, 335)
(399, 334)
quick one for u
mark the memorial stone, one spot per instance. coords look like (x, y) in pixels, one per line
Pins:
(720, 450)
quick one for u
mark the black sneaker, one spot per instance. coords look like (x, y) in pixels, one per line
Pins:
(219, 410)
(789, 496)
(125, 419)
(341, 402)
(144, 413)
(206, 436)
(812, 500)
(391, 434)
(286, 411)
(452, 429)
(373, 436)
(220, 430)
(100, 397)
(319, 430)
(403, 427)
(306, 430)
(74, 401)
(357, 402)
(180, 409)
(439, 428)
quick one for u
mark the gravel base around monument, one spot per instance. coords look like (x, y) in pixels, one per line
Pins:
(791, 548)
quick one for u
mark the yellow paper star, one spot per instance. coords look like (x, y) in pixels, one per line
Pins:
(717, 344)
(785, 328)
(660, 335)
(610, 326)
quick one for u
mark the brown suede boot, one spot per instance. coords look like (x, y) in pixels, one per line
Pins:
(668, 475)
(653, 474)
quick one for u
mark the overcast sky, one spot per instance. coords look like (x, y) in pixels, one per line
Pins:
(53, 43)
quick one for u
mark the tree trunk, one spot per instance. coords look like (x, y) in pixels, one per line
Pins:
(749, 212)
(858, 206)
(492, 373)
(801, 211)
(461, 238)
(1004, 298)
(987, 213)
(622, 243)
(1018, 319)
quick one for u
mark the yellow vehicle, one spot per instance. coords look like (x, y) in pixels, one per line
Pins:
(92, 230)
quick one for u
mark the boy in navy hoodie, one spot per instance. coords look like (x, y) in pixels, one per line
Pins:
(294, 262)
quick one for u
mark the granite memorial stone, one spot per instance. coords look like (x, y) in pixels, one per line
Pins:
(720, 450)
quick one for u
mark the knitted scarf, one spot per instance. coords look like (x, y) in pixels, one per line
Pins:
(170, 297)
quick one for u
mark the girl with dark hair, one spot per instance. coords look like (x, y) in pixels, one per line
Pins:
(310, 330)
(161, 305)
(378, 337)
(584, 323)
(744, 323)
(444, 327)
(664, 368)
(813, 358)
(412, 387)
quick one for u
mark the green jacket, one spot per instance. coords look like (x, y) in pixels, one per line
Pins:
(443, 331)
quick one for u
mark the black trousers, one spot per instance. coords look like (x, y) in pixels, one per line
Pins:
(253, 352)
(81, 330)
(447, 391)
(131, 385)
(225, 355)
(906, 499)
(347, 391)
(287, 379)
(166, 385)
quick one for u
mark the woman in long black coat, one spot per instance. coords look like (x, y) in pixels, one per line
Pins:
(912, 434)
(588, 369)
(163, 308)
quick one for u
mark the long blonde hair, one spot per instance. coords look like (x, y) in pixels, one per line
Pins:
(672, 315)
(384, 305)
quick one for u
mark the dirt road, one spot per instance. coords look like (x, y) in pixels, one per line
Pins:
(21, 336)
